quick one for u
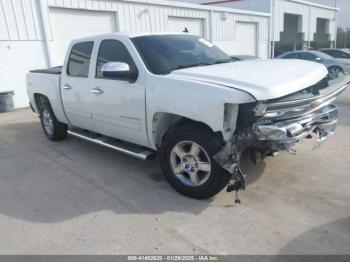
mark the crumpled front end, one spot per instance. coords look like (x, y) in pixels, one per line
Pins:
(267, 127)
(284, 123)
(322, 123)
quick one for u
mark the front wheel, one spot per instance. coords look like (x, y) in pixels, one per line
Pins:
(187, 160)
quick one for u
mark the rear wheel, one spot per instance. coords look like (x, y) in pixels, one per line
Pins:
(187, 160)
(53, 129)
(334, 72)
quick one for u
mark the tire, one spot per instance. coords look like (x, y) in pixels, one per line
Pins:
(334, 71)
(53, 129)
(205, 186)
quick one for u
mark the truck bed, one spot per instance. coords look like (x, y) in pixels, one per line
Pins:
(52, 70)
(47, 83)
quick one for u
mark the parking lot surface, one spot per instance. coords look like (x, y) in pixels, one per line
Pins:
(73, 197)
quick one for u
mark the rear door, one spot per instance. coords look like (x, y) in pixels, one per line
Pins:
(75, 85)
(118, 109)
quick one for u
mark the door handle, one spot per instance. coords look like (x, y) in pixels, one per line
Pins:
(66, 87)
(97, 91)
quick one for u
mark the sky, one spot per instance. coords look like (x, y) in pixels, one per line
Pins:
(344, 5)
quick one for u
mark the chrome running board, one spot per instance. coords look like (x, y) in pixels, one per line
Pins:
(114, 144)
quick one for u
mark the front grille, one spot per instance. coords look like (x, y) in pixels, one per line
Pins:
(276, 110)
(288, 121)
(322, 121)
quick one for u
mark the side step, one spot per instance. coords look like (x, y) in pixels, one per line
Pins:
(115, 144)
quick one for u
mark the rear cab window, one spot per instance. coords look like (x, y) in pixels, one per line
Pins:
(80, 59)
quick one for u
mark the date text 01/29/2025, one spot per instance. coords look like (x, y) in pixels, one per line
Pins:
(173, 258)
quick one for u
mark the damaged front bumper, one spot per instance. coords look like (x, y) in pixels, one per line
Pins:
(271, 126)
(289, 121)
(268, 127)
(321, 122)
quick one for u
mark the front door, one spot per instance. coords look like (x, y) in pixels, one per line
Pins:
(75, 85)
(118, 105)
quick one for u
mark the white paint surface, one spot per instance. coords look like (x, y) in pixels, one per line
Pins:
(17, 58)
(259, 78)
(66, 20)
(68, 25)
(246, 36)
(179, 24)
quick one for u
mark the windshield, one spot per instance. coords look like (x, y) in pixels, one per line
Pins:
(165, 53)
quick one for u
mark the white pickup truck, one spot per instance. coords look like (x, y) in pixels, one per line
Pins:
(181, 96)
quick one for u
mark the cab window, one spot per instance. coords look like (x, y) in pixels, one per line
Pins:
(338, 54)
(308, 56)
(112, 51)
(331, 53)
(291, 56)
(79, 59)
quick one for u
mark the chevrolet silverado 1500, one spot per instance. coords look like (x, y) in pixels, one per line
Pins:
(181, 96)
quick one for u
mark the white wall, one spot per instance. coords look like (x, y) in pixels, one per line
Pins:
(23, 29)
(256, 5)
(17, 58)
(132, 18)
(309, 15)
(224, 32)
(309, 11)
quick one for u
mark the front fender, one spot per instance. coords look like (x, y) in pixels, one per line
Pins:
(191, 99)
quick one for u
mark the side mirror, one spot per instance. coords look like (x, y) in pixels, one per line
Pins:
(318, 59)
(119, 70)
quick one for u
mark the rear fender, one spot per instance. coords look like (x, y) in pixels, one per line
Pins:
(46, 85)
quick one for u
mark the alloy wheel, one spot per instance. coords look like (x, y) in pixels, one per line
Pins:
(190, 163)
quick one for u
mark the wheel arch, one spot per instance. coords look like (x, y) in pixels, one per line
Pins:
(39, 99)
(163, 122)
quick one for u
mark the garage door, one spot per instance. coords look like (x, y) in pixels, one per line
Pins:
(246, 37)
(179, 24)
(68, 24)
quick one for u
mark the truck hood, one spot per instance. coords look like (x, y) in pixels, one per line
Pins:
(263, 79)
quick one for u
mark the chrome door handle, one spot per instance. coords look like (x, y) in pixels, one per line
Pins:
(66, 87)
(97, 91)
